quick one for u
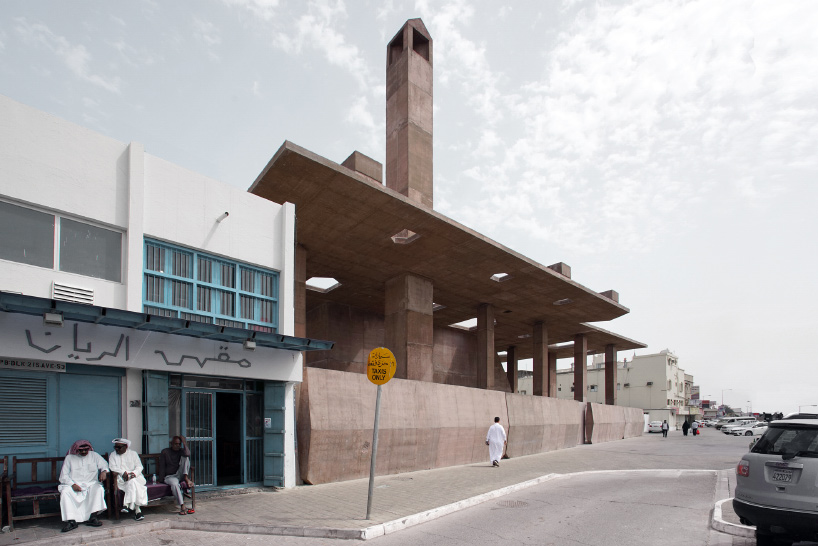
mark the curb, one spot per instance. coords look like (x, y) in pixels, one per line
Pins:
(734, 529)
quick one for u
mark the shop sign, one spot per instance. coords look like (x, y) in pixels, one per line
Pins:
(30, 365)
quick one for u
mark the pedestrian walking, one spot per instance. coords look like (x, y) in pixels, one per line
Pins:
(496, 440)
(685, 427)
(665, 428)
(695, 427)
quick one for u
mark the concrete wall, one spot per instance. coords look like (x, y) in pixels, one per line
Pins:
(428, 425)
(356, 332)
(539, 424)
(608, 423)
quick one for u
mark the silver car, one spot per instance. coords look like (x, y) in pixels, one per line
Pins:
(777, 482)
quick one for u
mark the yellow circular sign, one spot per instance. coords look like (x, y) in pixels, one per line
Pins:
(381, 365)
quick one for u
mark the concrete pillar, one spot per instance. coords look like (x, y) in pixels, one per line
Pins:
(408, 326)
(300, 291)
(610, 374)
(580, 367)
(409, 112)
(485, 346)
(539, 338)
(511, 367)
(552, 375)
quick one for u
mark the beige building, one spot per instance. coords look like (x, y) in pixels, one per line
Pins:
(654, 383)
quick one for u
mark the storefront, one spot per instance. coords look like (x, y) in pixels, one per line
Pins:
(70, 371)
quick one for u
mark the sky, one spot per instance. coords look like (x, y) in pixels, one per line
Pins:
(667, 150)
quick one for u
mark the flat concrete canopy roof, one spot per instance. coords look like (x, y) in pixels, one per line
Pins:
(346, 222)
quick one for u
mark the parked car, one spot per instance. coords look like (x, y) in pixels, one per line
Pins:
(750, 430)
(776, 482)
(733, 421)
(655, 426)
(728, 429)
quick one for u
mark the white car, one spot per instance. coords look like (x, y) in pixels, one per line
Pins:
(750, 430)
(728, 429)
(655, 426)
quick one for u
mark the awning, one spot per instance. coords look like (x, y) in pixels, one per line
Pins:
(30, 305)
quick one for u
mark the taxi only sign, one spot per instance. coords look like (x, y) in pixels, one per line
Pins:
(380, 366)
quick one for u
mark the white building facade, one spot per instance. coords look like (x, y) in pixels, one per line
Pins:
(143, 300)
(653, 382)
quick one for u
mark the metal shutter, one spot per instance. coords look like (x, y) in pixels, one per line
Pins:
(24, 407)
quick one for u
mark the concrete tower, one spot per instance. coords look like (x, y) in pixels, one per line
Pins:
(409, 112)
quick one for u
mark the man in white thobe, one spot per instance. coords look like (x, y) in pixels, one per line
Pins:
(126, 463)
(82, 494)
(496, 440)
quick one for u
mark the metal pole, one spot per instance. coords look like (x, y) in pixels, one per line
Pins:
(374, 453)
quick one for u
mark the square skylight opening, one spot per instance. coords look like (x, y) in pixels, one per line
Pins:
(404, 237)
(469, 324)
(322, 284)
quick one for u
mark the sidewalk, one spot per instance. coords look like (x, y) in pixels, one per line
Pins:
(338, 510)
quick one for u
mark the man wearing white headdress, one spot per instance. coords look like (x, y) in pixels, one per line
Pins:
(125, 462)
(82, 494)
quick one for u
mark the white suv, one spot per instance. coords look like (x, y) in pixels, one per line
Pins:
(777, 482)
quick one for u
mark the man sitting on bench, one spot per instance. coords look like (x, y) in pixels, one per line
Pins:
(174, 467)
(82, 494)
(125, 462)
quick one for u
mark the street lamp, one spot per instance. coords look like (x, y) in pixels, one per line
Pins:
(750, 407)
(722, 398)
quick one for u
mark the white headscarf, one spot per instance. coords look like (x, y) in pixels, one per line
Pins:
(122, 441)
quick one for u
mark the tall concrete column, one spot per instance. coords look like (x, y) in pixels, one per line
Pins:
(539, 336)
(300, 291)
(580, 367)
(409, 326)
(485, 346)
(610, 374)
(511, 367)
(552, 375)
(409, 112)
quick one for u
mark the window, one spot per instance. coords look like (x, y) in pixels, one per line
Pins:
(27, 236)
(187, 284)
(89, 250)
(593, 388)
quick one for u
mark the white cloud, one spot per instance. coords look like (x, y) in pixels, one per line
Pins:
(261, 9)
(75, 57)
(641, 112)
(209, 35)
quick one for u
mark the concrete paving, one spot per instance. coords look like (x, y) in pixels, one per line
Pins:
(338, 510)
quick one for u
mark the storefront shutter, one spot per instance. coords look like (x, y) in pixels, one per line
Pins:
(24, 411)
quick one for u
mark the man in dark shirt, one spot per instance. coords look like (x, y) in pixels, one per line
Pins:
(174, 466)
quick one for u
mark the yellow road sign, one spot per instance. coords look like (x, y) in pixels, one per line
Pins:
(381, 365)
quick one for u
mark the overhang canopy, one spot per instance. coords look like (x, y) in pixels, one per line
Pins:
(30, 305)
(347, 221)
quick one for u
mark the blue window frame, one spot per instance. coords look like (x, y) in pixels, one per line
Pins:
(187, 284)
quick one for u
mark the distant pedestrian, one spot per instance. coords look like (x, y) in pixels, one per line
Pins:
(665, 428)
(685, 427)
(496, 440)
(695, 427)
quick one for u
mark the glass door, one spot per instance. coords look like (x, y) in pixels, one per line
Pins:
(199, 430)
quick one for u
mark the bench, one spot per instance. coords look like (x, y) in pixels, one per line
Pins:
(158, 493)
(36, 489)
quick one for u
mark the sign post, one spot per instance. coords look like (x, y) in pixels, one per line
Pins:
(380, 368)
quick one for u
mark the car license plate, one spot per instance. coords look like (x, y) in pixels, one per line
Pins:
(782, 475)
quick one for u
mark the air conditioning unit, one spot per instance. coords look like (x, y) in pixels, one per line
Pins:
(650, 383)
(627, 385)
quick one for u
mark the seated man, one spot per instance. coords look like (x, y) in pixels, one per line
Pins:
(81, 493)
(126, 463)
(174, 466)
